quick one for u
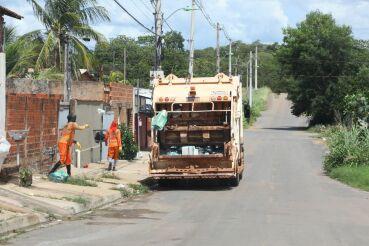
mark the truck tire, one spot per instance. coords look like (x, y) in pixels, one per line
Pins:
(236, 180)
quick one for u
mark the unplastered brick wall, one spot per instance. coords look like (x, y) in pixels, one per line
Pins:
(121, 93)
(120, 98)
(39, 114)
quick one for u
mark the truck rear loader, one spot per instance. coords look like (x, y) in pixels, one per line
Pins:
(203, 135)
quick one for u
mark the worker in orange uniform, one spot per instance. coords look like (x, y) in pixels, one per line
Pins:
(65, 143)
(114, 142)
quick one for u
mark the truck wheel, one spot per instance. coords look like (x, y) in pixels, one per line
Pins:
(236, 180)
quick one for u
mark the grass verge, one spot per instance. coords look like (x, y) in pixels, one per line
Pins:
(357, 177)
(109, 176)
(260, 98)
(133, 190)
(81, 181)
(77, 199)
(348, 156)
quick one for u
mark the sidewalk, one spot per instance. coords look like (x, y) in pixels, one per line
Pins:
(22, 207)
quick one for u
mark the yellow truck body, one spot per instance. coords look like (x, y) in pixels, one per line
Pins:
(203, 137)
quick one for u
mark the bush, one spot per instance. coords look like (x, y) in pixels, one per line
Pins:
(260, 98)
(25, 177)
(129, 146)
(347, 146)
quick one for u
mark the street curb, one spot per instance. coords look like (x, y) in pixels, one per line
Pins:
(21, 222)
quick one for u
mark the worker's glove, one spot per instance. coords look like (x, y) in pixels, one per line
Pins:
(78, 146)
(120, 148)
(87, 125)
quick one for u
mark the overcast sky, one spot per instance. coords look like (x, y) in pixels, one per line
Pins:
(246, 20)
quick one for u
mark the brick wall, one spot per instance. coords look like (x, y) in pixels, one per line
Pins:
(120, 98)
(39, 114)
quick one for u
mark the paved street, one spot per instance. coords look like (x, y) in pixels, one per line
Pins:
(284, 199)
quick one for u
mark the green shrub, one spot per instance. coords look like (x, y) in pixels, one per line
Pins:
(129, 146)
(260, 98)
(25, 177)
(347, 147)
(81, 181)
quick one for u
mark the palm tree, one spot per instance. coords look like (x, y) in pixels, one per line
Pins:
(67, 20)
(21, 52)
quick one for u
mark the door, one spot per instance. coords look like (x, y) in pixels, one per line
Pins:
(108, 118)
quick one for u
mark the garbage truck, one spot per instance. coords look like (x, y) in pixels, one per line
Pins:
(197, 129)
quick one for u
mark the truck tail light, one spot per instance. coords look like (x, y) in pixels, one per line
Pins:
(160, 99)
(225, 98)
(219, 98)
(167, 99)
(192, 91)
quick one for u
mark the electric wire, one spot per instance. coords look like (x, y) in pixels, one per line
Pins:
(141, 9)
(133, 17)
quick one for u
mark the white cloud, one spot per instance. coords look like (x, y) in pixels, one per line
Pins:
(244, 19)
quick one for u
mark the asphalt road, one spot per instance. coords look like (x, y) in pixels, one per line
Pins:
(284, 199)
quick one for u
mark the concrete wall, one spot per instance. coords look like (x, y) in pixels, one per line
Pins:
(81, 90)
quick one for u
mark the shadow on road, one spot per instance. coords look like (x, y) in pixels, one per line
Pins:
(287, 128)
(199, 185)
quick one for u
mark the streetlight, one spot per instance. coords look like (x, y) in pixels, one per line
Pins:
(175, 11)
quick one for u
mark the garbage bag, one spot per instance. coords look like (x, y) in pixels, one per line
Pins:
(4, 149)
(159, 120)
(58, 176)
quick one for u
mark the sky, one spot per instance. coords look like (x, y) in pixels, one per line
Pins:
(246, 20)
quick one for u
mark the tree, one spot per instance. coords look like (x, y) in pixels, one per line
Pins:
(21, 52)
(315, 55)
(67, 19)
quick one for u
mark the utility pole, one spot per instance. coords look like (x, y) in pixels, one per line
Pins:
(67, 71)
(256, 67)
(230, 59)
(158, 34)
(236, 67)
(125, 64)
(138, 116)
(191, 41)
(250, 81)
(218, 47)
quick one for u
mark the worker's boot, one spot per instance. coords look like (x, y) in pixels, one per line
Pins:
(114, 165)
(109, 168)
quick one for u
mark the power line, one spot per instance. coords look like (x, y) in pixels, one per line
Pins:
(200, 5)
(147, 7)
(141, 9)
(134, 18)
(205, 14)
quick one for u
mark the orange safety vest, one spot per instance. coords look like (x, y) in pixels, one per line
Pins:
(113, 138)
(67, 133)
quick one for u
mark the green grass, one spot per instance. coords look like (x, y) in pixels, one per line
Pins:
(139, 188)
(81, 181)
(357, 177)
(260, 98)
(133, 190)
(109, 176)
(77, 199)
